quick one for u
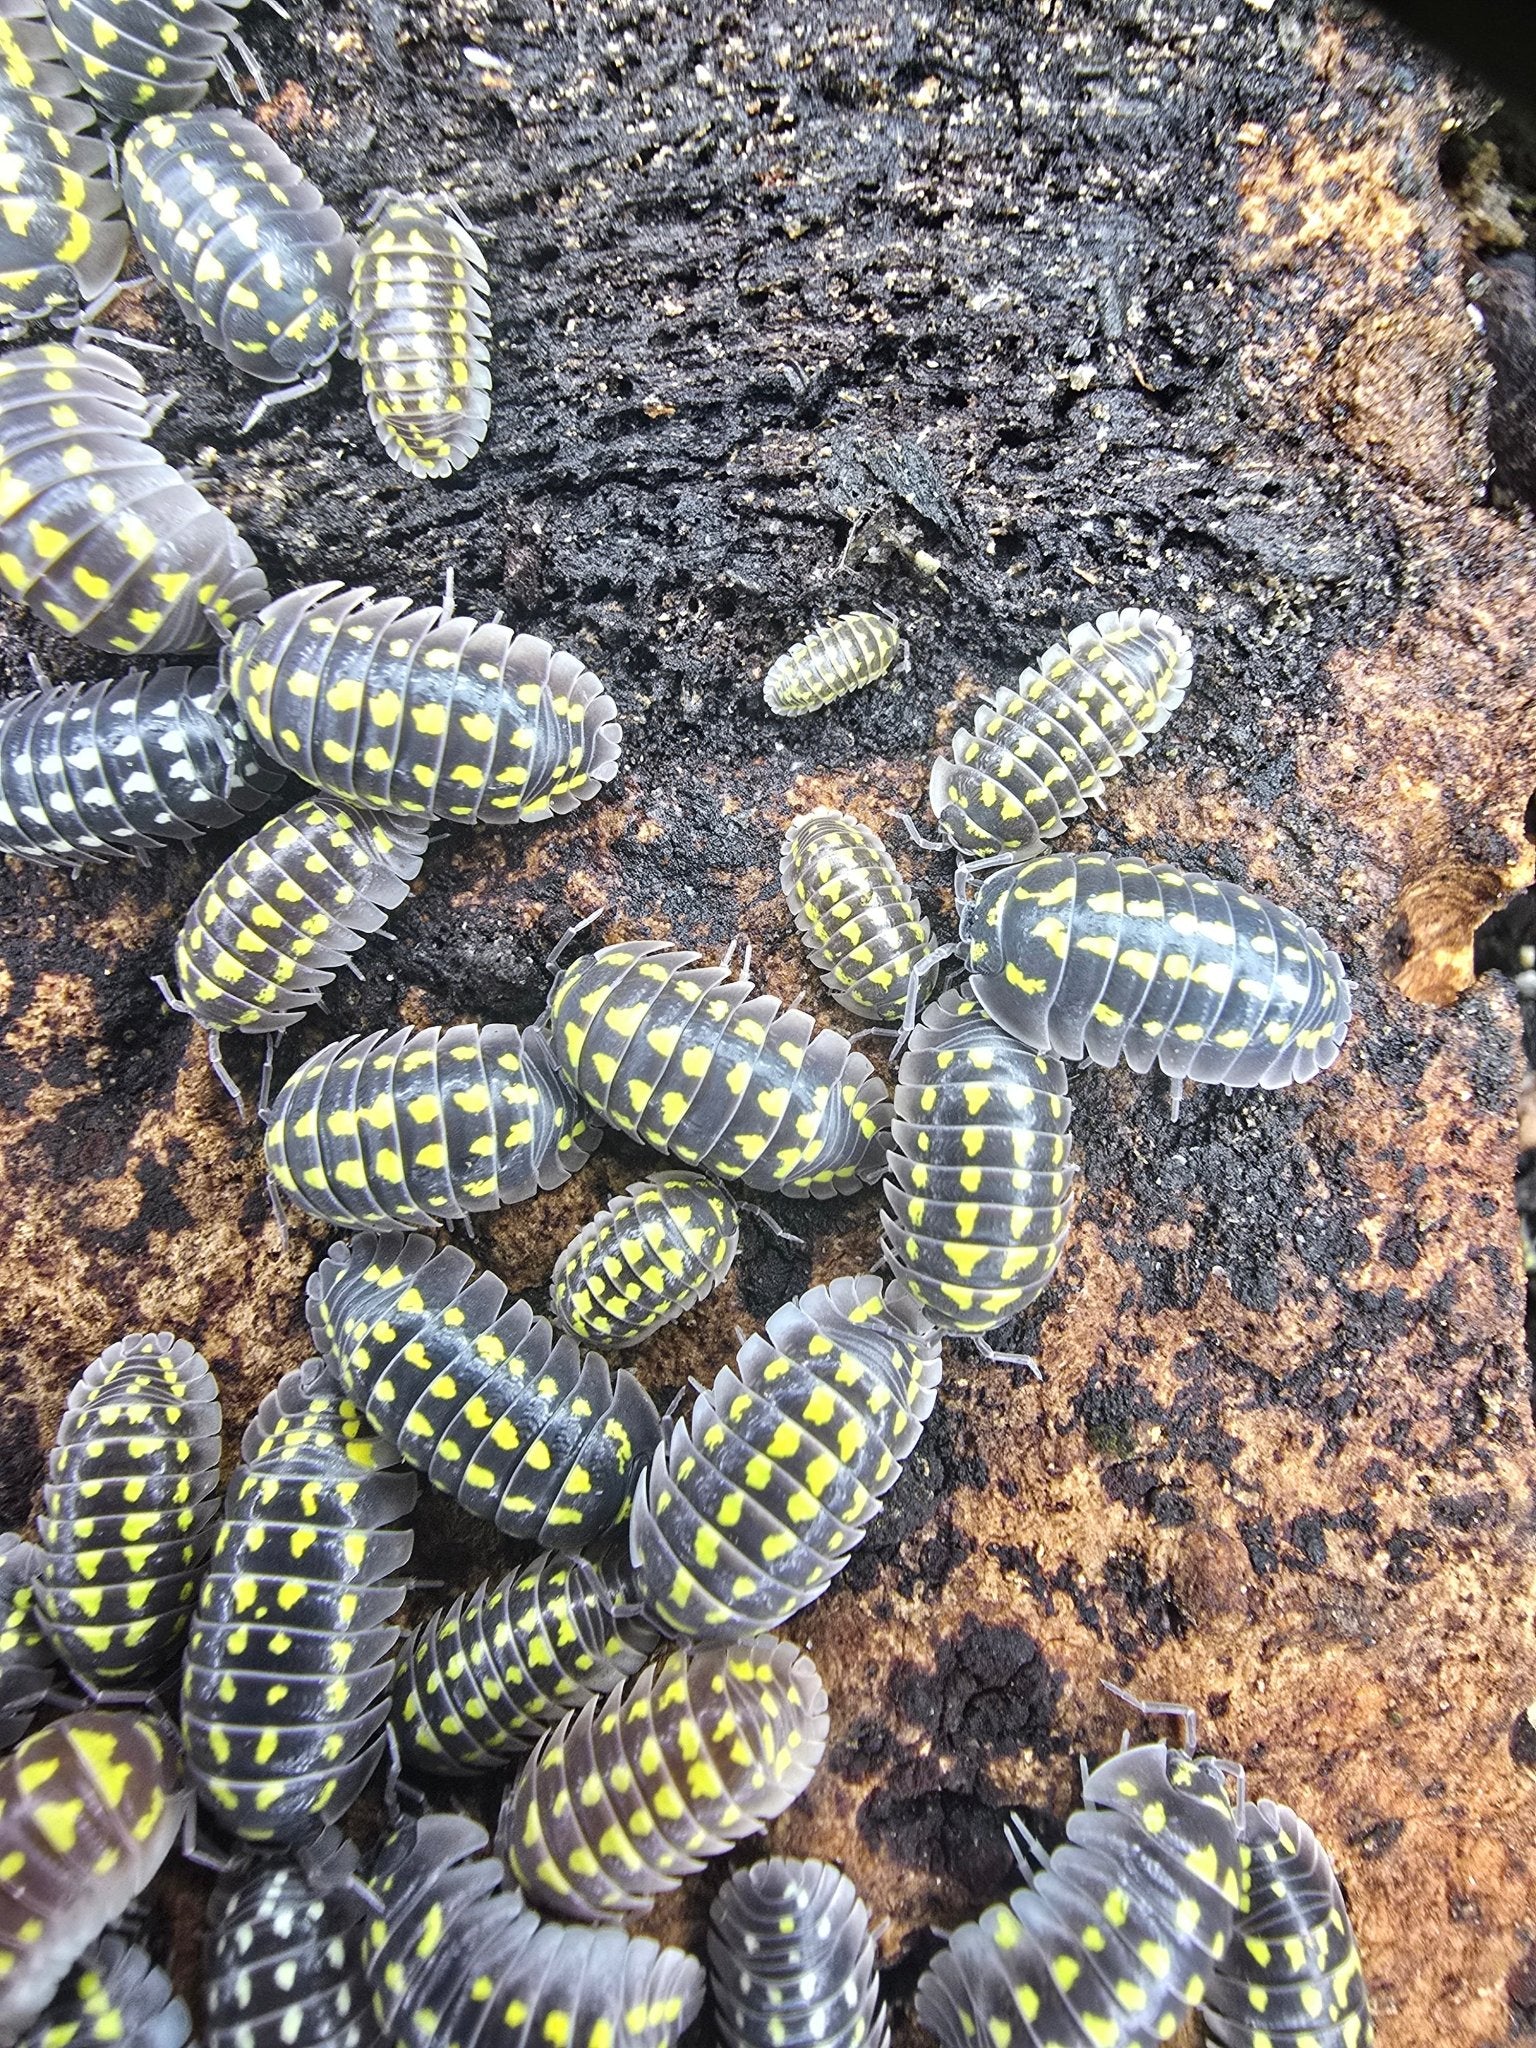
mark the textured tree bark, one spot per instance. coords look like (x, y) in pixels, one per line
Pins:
(997, 320)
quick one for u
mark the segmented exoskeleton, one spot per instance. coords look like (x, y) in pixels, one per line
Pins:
(481, 1678)
(455, 1956)
(1121, 1930)
(89, 1807)
(114, 1997)
(423, 712)
(698, 1066)
(95, 771)
(99, 536)
(268, 931)
(62, 234)
(1036, 754)
(128, 1513)
(831, 662)
(1087, 956)
(517, 1424)
(421, 329)
(27, 1667)
(1292, 1977)
(138, 57)
(754, 1504)
(980, 1181)
(285, 1954)
(285, 1690)
(632, 1793)
(647, 1258)
(230, 225)
(792, 1962)
(857, 914)
(426, 1126)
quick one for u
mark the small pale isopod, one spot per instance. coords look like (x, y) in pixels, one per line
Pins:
(832, 662)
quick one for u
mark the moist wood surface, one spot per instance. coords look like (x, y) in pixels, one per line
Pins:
(1087, 304)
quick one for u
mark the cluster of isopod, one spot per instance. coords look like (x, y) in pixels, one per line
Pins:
(622, 1678)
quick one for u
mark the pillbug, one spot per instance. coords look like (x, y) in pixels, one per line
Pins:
(792, 1961)
(1292, 1976)
(425, 1127)
(27, 1668)
(230, 225)
(1037, 753)
(99, 536)
(114, 1997)
(128, 1511)
(421, 327)
(632, 1793)
(62, 234)
(285, 1954)
(857, 915)
(697, 1065)
(754, 1504)
(980, 1183)
(517, 1424)
(285, 1690)
(89, 1808)
(454, 1956)
(1117, 1935)
(831, 662)
(138, 57)
(93, 771)
(1087, 956)
(290, 905)
(647, 1258)
(422, 712)
(481, 1678)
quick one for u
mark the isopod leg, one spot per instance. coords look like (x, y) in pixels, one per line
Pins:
(287, 395)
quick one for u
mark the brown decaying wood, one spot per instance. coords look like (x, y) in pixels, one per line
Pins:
(1280, 1463)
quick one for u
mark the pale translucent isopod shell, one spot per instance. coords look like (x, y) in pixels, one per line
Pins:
(849, 654)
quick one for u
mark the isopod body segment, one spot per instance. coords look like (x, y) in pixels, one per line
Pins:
(426, 1127)
(113, 1997)
(481, 1678)
(138, 57)
(230, 225)
(28, 1671)
(1118, 1935)
(1292, 1976)
(128, 1512)
(1089, 956)
(454, 1954)
(700, 1067)
(89, 1807)
(284, 1954)
(422, 712)
(99, 536)
(757, 1500)
(1037, 753)
(633, 1793)
(518, 1425)
(980, 1182)
(792, 1961)
(62, 233)
(831, 662)
(269, 929)
(647, 1258)
(98, 771)
(857, 915)
(285, 1689)
(421, 329)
